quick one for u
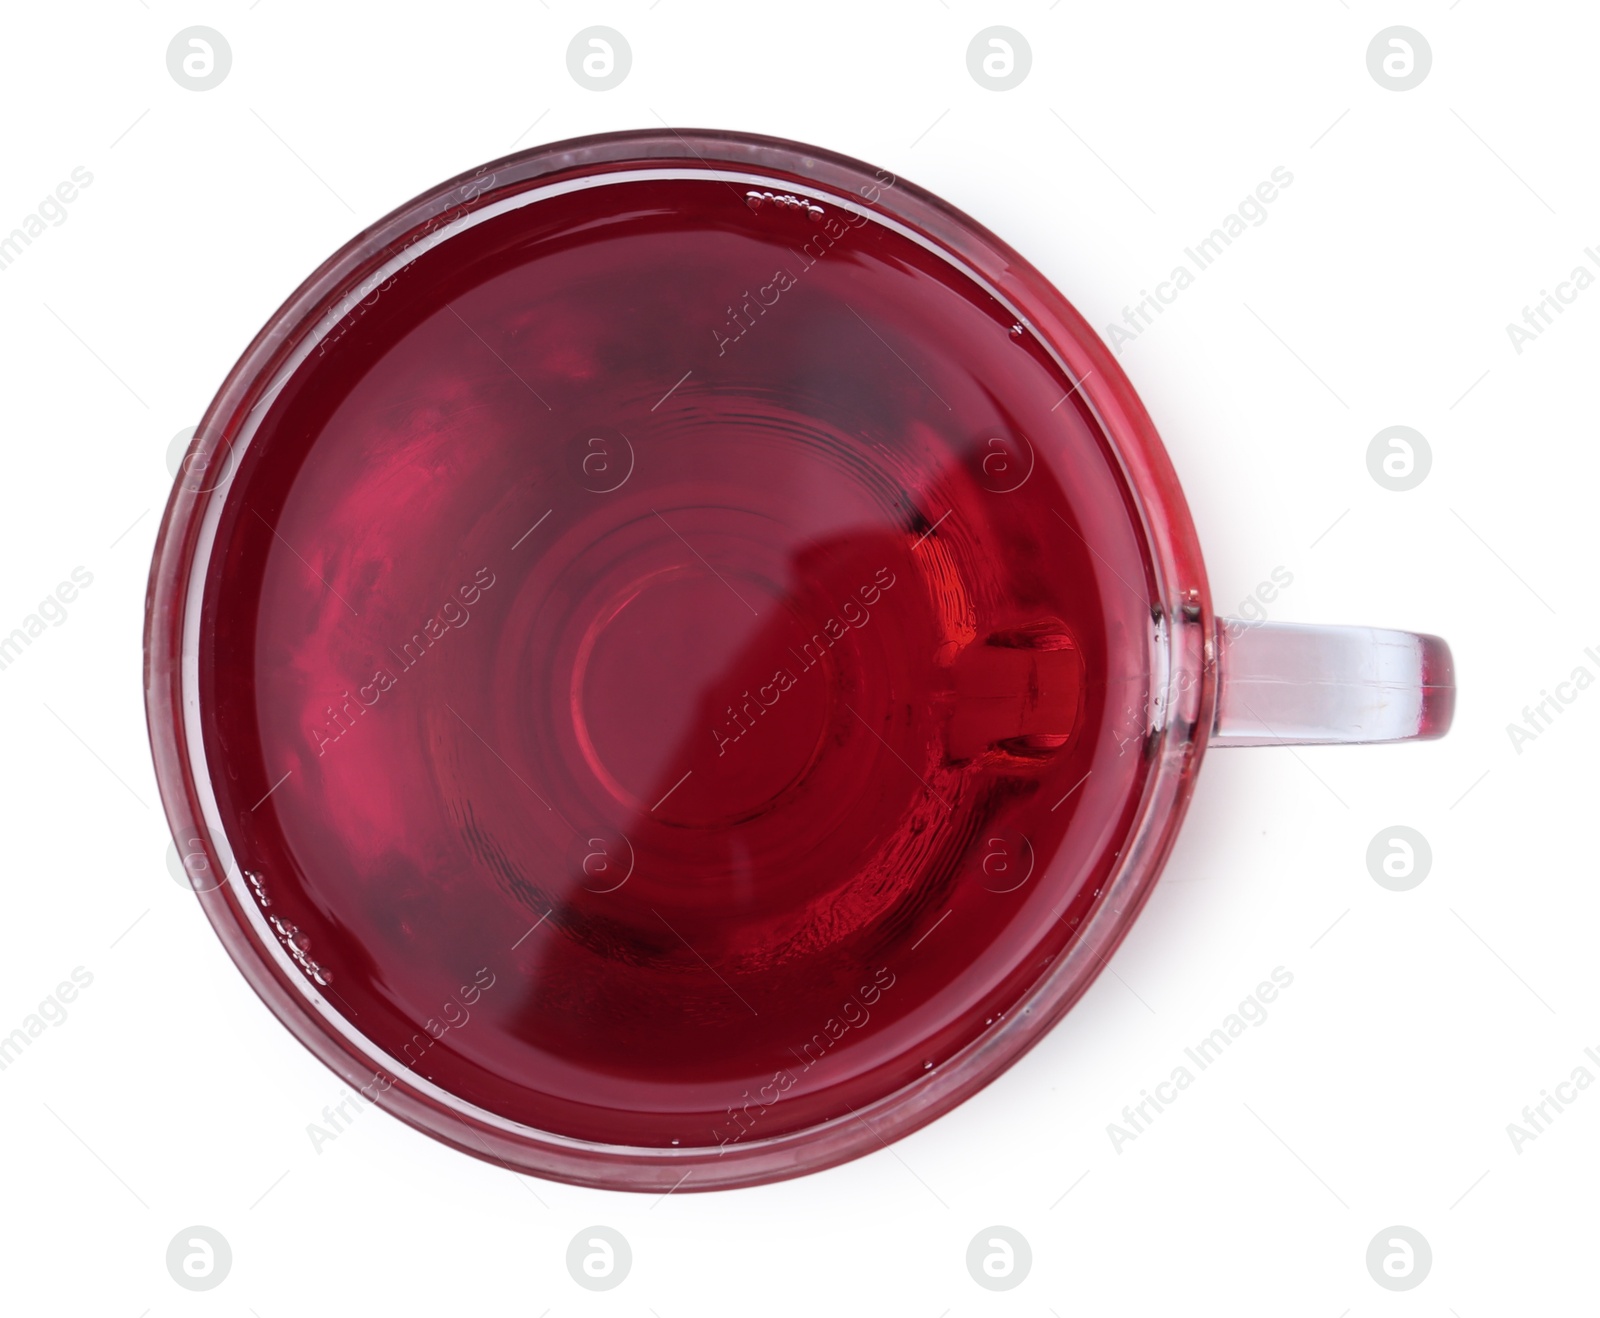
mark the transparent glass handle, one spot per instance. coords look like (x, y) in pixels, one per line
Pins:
(1287, 684)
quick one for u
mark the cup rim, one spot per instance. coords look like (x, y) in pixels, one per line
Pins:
(1183, 685)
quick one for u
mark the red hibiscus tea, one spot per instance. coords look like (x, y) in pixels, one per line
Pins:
(679, 653)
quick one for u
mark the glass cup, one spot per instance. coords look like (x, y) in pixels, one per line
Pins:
(674, 658)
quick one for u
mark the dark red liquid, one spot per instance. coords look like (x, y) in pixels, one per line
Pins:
(700, 707)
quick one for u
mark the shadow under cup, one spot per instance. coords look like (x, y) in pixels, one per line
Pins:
(656, 646)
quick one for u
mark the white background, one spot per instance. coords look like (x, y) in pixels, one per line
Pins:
(1418, 1025)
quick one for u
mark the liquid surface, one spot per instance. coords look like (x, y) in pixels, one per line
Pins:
(665, 690)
